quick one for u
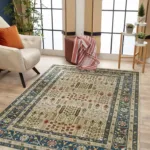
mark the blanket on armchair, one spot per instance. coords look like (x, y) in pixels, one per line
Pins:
(84, 53)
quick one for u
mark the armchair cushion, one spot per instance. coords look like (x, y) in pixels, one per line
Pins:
(10, 37)
(31, 57)
(11, 59)
(31, 41)
(3, 23)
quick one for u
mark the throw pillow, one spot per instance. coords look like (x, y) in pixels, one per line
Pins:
(10, 37)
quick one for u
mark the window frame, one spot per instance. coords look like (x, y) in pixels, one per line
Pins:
(113, 12)
(52, 22)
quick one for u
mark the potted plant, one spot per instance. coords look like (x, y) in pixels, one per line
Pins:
(129, 28)
(24, 16)
(141, 13)
(141, 37)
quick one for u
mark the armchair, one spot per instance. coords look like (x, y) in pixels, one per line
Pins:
(20, 60)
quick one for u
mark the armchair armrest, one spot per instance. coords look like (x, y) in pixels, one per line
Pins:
(11, 59)
(31, 41)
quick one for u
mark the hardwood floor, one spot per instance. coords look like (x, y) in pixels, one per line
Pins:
(11, 88)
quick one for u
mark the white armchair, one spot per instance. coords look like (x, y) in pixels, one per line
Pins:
(16, 60)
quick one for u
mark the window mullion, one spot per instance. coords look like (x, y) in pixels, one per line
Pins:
(124, 25)
(42, 22)
(52, 25)
(112, 26)
(113, 17)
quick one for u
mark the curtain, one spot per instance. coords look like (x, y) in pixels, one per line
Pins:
(93, 12)
(147, 30)
(69, 17)
(147, 20)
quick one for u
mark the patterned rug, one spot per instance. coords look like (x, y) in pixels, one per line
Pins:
(68, 109)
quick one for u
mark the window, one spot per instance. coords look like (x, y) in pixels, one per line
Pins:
(115, 15)
(51, 24)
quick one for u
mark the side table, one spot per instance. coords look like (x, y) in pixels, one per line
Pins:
(121, 44)
(138, 60)
(140, 28)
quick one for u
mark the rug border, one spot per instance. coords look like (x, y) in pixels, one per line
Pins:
(139, 108)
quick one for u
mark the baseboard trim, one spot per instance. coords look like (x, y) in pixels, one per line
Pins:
(53, 52)
(102, 56)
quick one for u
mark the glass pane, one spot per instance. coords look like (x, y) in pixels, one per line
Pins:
(46, 3)
(132, 4)
(120, 4)
(57, 19)
(118, 21)
(131, 17)
(58, 40)
(128, 48)
(107, 4)
(47, 39)
(116, 44)
(47, 22)
(37, 4)
(105, 43)
(37, 25)
(106, 21)
(57, 3)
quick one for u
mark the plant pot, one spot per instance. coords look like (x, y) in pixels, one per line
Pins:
(140, 41)
(141, 19)
(129, 30)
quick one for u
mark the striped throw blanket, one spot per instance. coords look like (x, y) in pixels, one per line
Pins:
(84, 53)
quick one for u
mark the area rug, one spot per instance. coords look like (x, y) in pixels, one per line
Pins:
(69, 109)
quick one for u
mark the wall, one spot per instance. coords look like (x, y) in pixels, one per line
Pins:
(80, 6)
(4, 3)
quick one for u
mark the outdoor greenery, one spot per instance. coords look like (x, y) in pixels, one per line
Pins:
(24, 16)
(141, 12)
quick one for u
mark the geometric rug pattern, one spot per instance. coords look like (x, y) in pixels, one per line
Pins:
(70, 109)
